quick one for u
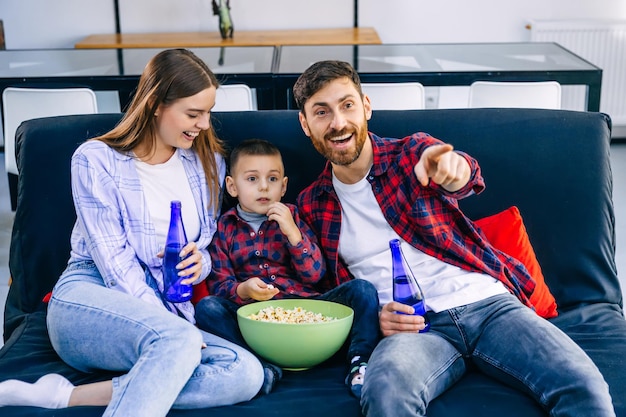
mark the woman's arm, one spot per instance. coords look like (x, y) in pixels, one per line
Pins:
(102, 226)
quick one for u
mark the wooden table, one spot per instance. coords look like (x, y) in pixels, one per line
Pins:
(340, 36)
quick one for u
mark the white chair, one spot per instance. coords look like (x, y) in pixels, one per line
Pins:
(234, 97)
(539, 94)
(20, 104)
(395, 96)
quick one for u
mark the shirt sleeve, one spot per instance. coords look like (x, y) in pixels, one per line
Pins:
(306, 257)
(101, 225)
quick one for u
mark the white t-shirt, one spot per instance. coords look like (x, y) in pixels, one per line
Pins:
(364, 246)
(163, 183)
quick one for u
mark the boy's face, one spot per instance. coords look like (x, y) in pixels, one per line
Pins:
(335, 118)
(257, 181)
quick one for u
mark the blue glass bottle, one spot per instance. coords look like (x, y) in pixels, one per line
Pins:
(406, 290)
(175, 292)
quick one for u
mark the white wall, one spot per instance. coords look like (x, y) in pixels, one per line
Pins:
(35, 24)
(474, 21)
(61, 23)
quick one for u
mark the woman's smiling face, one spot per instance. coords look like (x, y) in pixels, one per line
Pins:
(179, 123)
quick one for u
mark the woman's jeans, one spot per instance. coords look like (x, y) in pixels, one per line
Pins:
(219, 316)
(505, 340)
(96, 328)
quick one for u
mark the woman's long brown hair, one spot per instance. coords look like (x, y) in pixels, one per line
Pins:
(170, 75)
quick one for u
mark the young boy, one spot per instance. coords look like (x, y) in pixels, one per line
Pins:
(263, 250)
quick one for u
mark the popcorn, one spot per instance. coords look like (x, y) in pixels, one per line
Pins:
(296, 315)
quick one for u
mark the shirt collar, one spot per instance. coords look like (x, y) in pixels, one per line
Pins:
(184, 153)
(381, 157)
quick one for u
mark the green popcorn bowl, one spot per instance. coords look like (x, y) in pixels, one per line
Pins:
(296, 346)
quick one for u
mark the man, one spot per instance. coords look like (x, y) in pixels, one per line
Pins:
(374, 190)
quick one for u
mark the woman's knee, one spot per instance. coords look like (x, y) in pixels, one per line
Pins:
(180, 341)
(252, 375)
(228, 374)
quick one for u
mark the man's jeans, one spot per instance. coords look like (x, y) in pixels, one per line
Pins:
(505, 340)
(96, 328)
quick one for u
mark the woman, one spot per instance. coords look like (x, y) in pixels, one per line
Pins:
(107, 311)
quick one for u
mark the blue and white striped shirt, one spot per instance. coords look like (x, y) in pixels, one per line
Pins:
(113, 226)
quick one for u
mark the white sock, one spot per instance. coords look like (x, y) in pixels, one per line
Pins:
(50, 391)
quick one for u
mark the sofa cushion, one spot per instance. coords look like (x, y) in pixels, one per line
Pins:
(506, 232)
(600, 330)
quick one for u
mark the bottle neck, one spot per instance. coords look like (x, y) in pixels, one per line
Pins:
(176, 232)
(396, 259)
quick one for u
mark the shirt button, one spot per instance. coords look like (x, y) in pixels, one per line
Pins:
(261, 233)
(113, 283)
(305, 250)
(273, 277)
(257, 253)
(266, 266)
(252, 234)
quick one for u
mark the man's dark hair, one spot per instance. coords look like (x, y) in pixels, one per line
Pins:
(318, 75)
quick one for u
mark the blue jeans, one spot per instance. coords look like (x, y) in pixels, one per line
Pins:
(96, 328)
(219, 316)
(505, 340)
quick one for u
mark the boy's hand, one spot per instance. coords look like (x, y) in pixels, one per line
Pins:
(282, 215)
(256, 289)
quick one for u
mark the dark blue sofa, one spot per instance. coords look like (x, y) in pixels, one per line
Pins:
(553, 165)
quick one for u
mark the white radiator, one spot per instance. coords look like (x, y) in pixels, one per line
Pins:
(601, 42)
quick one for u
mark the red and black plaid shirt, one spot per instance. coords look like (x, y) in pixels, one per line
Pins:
(426, 217)
(239, 253)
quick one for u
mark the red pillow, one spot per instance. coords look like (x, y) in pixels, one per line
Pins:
(199, 292)
(506, 232)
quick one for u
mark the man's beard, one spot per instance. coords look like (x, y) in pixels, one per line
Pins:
(343, 157)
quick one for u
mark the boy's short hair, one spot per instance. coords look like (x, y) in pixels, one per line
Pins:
(318, 75)
(253, 147)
